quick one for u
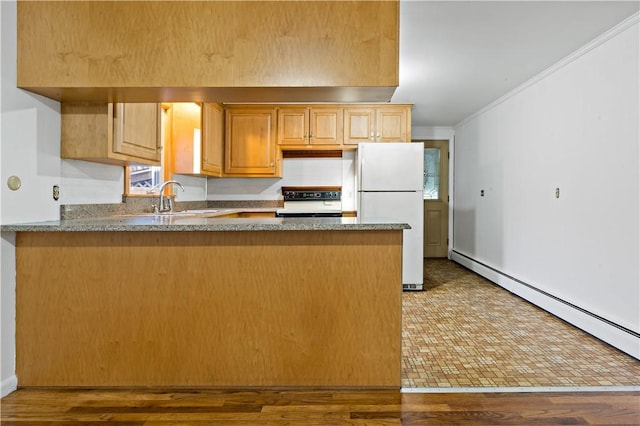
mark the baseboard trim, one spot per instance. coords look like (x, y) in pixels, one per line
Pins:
(619, 337)
(8, 385)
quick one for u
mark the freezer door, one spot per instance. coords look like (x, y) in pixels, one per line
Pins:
(406, 207)
(390, 166)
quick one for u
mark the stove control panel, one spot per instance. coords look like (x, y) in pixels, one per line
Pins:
(311, 194)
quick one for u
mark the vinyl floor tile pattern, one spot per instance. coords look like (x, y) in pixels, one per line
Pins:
(464, 331)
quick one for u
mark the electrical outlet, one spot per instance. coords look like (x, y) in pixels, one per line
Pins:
(557, 192)
(56, 192)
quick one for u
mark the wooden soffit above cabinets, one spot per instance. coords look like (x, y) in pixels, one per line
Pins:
(204, 51)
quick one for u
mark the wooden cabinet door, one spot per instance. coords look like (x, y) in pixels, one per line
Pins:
(293, 126)
(250, 142)
(137, 130)
(358, 125)
(391, 124)
(326, 126)
(212, 139)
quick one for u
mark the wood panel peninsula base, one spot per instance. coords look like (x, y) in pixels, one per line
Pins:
(211, 309)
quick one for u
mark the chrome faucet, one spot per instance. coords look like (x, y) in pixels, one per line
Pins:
(165, 204)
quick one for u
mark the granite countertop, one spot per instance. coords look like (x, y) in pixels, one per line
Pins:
(206, 220)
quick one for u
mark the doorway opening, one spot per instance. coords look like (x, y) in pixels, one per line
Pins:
(436, 198)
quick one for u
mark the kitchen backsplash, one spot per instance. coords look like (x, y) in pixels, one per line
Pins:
(296, 171)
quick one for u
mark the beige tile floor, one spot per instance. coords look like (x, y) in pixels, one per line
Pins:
(464, 331)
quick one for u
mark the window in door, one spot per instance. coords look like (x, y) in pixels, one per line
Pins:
(431, 187)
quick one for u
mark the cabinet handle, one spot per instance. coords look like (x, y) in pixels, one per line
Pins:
(378, 136)
(311, 135)
(371, 137)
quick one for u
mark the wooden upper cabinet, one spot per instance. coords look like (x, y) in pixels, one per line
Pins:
(209, 51)
(377, 124)
(310, 126)
(116, 134)
(212, 139)
(250, 142)
(393, 124)
(359, 125)
(182, 137)
(197, 138)
(326, 126)
(293, 126)
(137, 130)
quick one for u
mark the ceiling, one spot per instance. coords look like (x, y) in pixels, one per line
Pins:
(458, 56)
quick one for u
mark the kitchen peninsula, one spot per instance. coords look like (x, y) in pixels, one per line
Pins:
(190, 301)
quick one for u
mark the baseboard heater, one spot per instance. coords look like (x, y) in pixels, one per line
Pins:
(620, 337)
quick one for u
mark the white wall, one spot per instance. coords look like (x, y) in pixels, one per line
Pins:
(576, 128)
(432, 132)
(30, 139)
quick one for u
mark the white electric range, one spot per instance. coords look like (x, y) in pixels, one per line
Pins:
(311, 201)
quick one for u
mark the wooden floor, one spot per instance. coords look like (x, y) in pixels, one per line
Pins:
(279, 407)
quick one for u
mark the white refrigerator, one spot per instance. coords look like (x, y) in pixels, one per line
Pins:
(389, 185)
